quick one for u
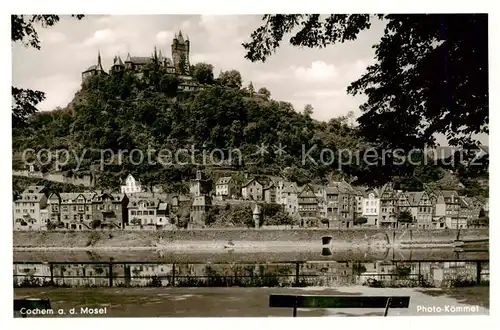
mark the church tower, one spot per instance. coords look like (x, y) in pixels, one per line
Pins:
(180, 54)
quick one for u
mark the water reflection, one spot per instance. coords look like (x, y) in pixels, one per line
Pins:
(311, 273)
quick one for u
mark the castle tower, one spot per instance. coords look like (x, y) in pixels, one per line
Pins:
(128, 62)
(180, 54)
(95, 69)
(118, 65)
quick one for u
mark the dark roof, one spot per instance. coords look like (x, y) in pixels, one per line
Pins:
(91, 68)
(117, 61)
(250, 181)
(414, 197)
(331, 190)
(307, 191)
(138, 59)
(224, 180)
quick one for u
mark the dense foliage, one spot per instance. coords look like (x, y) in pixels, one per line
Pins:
(24, 101)
(121, 112)
(430, 75)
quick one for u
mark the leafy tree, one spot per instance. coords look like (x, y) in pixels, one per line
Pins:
(308, 110)
(264, 91)
(279, 219)
(203, 73)
(431, 76)
(183, 67)
(23, 30)
(230, 78)
(135, 221)
(360, 220)
(405, 217)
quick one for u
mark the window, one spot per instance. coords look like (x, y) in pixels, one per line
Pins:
(151, 212)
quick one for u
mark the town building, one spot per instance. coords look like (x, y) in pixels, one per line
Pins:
(226, 187)
(163, 216)
(346, 205)
(109, 210)
(308, 203)
(200, 186)
(131, 186)
(252, 190)
(388, 207)
(288, 197)
(332, 205)
(27, 209)
(75, 210)
(54, 207)
(201, 205)
(142, 212)
(448, 207)
(423, 209)
(270, 193)
(371, 208)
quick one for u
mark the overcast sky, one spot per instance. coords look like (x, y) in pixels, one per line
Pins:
(301, 76)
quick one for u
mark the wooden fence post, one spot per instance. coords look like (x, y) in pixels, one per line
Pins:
(173, 274)
(297, 271)
(110, 274)
(478, 272)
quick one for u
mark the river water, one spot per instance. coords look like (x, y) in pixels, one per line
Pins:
(382, 267)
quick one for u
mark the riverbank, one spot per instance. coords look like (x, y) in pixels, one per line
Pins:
(237, 239)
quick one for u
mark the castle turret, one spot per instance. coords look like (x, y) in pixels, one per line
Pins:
(118, 65)
(180, 54)
(128, 62)
(95, 69)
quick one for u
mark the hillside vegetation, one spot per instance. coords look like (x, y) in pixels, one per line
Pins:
(126, 112)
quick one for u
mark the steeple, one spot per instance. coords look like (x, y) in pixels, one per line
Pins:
(128, 59)
(99, 65)
(180, 37)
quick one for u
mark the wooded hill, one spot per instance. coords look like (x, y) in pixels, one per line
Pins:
(126, 112)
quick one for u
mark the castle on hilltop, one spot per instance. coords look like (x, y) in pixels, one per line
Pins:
(179, 64)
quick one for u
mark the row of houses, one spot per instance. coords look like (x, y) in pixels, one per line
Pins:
(341, 204)
(38, 210)
(337, 205)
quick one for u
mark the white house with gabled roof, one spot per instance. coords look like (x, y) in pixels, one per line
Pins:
(131, 186)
